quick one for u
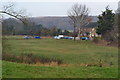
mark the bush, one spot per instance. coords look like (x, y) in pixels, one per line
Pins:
(29, 58)
(95, 40)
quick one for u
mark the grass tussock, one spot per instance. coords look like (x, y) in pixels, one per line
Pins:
(31, 59)
(42, 61)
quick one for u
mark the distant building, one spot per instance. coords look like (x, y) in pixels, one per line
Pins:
(89, 32)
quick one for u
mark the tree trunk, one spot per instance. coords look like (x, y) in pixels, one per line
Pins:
(78, 33)
(74, 32)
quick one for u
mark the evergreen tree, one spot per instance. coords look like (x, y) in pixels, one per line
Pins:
(105, 22)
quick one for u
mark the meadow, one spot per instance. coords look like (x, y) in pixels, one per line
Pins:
(75, 59)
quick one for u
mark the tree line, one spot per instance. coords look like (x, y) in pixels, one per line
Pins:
(9, 28)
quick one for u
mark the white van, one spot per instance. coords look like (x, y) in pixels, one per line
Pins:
(59, 37)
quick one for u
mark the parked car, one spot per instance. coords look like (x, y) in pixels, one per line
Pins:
(37, 37)
(59, 37)
(27, 37)
(56, 37)
(68, 37)
(71, 37)
(85, 38)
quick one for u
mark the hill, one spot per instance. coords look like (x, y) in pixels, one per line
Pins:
(60, 22)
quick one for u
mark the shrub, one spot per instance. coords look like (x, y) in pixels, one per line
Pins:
(95, 40)
(29, 59)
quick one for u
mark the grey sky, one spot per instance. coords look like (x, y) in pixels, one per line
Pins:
(38, 9)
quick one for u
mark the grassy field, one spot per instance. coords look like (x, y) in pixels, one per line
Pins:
(15, 70)
(75, 54)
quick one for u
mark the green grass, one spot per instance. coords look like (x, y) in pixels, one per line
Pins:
(68, 51)
(15, 70)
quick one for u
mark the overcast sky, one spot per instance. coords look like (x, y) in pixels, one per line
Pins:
(40, 8)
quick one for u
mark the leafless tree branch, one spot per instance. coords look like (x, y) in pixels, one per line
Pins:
(79, 15)
(9, 10)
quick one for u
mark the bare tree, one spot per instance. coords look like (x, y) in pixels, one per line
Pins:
(9, 10)
(79, 16)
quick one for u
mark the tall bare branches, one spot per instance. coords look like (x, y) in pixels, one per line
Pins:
(79, 16)
(9, 10)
